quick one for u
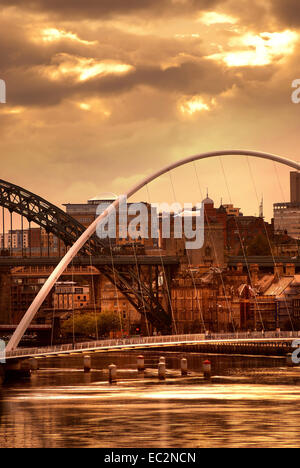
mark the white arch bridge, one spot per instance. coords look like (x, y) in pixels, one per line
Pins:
(53, 278)
(268, 343)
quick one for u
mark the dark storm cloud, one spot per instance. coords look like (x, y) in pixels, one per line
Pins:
(203, 76)
(106, 8)
(18, 50)
(31, 87)
(257, 16)
(287, 12)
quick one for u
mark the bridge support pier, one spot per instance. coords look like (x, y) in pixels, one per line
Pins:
(87, 363)
(34, 364)
(16, 369)
(5, 295)
(183, 366)
(2, 374)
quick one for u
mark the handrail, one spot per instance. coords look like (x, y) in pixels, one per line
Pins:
(121, 342)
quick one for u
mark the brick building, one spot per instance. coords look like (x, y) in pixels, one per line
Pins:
(202, 300)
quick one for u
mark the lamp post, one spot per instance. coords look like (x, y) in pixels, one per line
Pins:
(217, 309)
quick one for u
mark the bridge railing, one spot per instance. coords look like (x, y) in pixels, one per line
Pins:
(19, 352)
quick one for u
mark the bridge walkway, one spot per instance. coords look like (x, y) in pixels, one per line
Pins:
(155, 342)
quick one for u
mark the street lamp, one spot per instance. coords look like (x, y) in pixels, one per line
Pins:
(220, 307)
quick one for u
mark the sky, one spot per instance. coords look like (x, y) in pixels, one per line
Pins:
(101, 93)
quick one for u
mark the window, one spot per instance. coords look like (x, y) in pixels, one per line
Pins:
(207, 251)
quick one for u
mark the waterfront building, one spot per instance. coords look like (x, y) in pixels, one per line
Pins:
(86, 213)
(287, 215)
(69, 295)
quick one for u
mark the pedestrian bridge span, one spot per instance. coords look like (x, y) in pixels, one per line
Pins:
(270, 339)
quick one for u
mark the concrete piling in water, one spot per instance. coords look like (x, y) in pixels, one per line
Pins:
(2, 374)
(25, 368)
(162, 371)
(87, 363)
(183, 366)
(288, 360)
(17, 369)
(207, 369)
(34, 364)
(112, 373)
(141, 363)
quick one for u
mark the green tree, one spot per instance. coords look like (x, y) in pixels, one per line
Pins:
(107, 322)
(259, 246)
(85, 324)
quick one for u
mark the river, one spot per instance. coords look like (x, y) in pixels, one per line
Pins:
(249, 402)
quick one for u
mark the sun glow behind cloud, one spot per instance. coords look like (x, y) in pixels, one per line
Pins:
(83, 69)
(95, 106)
(195, 104)
(211, 17)
(54, 34)
(11, 110)
(259, 50)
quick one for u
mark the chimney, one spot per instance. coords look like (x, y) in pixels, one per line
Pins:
(290, 269)
(278, 270)
(254, 269)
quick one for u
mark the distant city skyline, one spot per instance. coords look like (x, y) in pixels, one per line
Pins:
(101, 95)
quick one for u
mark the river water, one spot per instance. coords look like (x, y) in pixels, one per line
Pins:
(249, 402)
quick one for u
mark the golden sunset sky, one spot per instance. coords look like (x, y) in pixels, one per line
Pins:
(101, 93)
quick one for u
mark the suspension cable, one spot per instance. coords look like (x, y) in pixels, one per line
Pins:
(190, 265)
(165, 276)
(93, 292)
(243, 248)
(215, 252)
(116, 289)
(53, 315)
(141, 289)
(269, 242)
(73, 310)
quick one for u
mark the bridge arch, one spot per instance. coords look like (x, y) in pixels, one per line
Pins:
(90, 231)
(46, 215)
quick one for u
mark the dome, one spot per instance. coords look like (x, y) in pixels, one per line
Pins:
(208, 201)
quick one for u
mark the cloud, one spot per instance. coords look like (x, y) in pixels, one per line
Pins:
(74, 126)
(36, 86)
(287, 12)
(72, 9)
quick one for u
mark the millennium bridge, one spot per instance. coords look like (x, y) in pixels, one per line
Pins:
(83, 245)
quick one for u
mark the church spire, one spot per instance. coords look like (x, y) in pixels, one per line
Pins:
(261, 208)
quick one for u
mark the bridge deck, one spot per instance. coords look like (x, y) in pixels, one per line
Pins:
(264, 261)
(5, 328)
(153, 342)
(96, 261)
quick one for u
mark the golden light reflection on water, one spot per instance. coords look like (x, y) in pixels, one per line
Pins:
(67, 408)
(199, 392)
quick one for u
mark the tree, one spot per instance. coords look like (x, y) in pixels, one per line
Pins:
(86, 324)
(259, 246)
(107, 322)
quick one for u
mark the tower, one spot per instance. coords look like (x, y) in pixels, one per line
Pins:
(261, 208)
(295, 186)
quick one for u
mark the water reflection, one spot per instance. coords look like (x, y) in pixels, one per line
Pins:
(251, 402)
